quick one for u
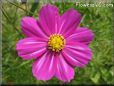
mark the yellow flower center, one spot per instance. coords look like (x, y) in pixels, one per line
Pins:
(56, 42)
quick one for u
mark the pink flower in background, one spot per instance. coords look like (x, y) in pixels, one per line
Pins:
(57, 43)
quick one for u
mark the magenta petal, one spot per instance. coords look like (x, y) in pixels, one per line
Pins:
(69, 21)
(64, 71)
(48, 18)
(77, 54)
(30, 28)
(82, 35)
(30, 48)
(44, 67)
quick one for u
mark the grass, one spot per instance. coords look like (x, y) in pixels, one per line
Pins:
(98, 71)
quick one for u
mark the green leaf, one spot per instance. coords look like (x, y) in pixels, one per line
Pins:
(96, 78)
(33, 8)
(24, 63)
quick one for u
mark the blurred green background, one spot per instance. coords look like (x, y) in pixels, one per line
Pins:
(99, 19)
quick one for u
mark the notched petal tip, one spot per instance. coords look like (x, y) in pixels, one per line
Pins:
(25, 19)
(75, 11)
(77, 54)
(44, 67)
(69, 21)
(48, 18)
(82, 35)
(64, 71)
(30, 48)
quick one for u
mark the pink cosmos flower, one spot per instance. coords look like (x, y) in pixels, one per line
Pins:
(56, 42)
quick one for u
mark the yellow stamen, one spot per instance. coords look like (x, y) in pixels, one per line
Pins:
(56, 42)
